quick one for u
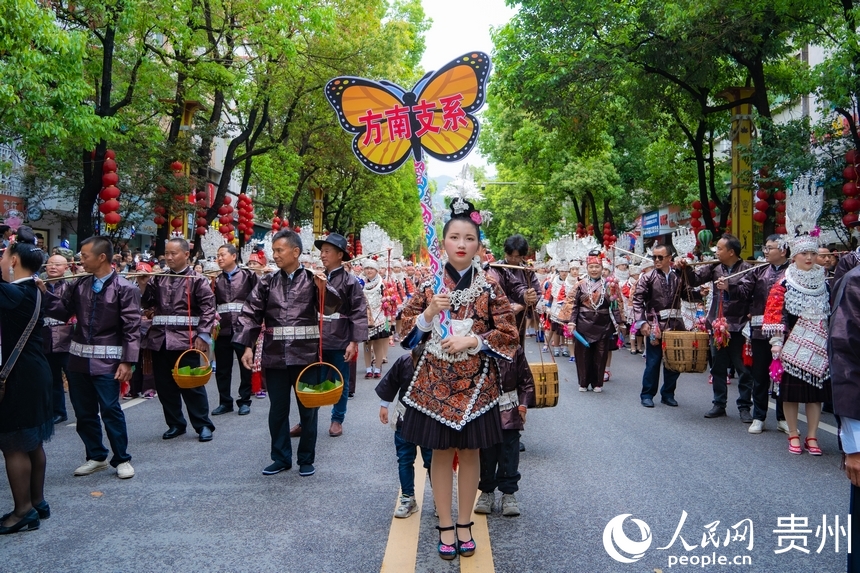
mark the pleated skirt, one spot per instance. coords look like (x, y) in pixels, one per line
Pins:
(483, 432)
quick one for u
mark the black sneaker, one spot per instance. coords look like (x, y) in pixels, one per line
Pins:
(745, 416)
(306, 470)
(275, 468)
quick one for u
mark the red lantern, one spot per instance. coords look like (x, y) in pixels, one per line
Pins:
(112, 218)
(222, 210)
(227, 200)
(849, 219)
(697, 205)
(780, 219)
(224, 219)
(728, 223)
(159, 220)
(104, 209)
(201, 221)
(849, 173)
(762, 205)
(759, 216)
(781, 230)
(110, 154)
(695, 223)
(160, 210)
(202, 205)
(779, 195)
(110, 179)
(176, 166)
(761, 194)
(229, 209)
(712, 204)
(161, 189)
(695, 214)
(850, 189)
(852, 157)
(200, 230)
(110, 205)
(176, 223)
(780, 207)
(200, 196)
(109, 166)
(851, 205)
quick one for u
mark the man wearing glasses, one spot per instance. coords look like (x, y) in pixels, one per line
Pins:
(755, 287)
(735, 309)
(656, 303)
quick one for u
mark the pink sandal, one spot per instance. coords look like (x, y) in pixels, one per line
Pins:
(813, 450)
(797, 450)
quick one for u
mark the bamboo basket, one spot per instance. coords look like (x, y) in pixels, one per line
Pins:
(546, 384)
(192, 380)
(318, 399)
(686, 351)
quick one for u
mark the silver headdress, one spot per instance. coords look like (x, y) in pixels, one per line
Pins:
(802, 209)
(462, 189)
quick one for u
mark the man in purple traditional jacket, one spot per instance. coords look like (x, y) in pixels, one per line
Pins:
(184, 318)
(288, 302)
(105, 345)
(57, 337)
(232, 288)
(844, 355)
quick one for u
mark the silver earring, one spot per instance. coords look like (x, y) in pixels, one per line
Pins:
(12, 273)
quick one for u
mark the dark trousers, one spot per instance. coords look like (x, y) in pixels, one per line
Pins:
(854, 556)
(651, 376)
(591, 362)
(171, 396)
(760, 371)
(140, 382)
(91, 395)
(58, 361)
(732, 354)
(224, 351)
(353, 368)
(280, 382)
(406, 454)
(335, 358)
(500, 464)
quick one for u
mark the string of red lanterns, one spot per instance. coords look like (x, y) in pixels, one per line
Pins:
(226, 219)
(246, 216)
(851, 188)
(109, 193)
(609, 238)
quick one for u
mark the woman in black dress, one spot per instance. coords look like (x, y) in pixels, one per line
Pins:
(26, 418)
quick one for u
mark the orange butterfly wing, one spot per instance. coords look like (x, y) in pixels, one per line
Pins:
(356, 98)
(466, 76)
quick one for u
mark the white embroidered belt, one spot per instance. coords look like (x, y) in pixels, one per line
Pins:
(330, 317)
(294, 332)
(668, 313)
(52, 321)
(229, 307)
(757, 320)
(176, 320)
(508, 401)
(96, 351)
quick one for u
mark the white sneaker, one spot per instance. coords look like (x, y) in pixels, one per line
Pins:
(407, 506)
(124, 471)
(485, 503)
(583, 389)
(91, 467)
(756, 427)
(597, 390)
(782, 426)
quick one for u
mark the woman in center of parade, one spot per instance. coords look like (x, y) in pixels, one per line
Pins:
(595, 317)
(453, 397)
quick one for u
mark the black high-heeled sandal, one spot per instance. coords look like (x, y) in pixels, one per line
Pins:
(466, 548)
(447, 552)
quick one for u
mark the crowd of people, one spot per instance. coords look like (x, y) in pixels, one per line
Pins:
(463, 388)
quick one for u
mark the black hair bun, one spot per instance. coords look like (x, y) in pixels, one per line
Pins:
(25, 235)
(464, 209)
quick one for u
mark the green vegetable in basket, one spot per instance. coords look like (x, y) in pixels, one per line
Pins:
(185, 371)
(326, 386)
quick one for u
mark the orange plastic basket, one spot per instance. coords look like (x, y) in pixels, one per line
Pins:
(318, 399)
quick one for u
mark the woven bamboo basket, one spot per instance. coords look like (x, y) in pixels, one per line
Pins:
(546, 384)
(318, 399)
(686, 351)
(191, 380)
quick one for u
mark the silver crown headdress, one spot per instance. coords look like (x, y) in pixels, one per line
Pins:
(802, 209)
(462, 189)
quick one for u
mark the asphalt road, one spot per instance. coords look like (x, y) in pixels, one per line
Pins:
(205, 506)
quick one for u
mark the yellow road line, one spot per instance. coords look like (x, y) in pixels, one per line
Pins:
(401, 552)
(482, 560)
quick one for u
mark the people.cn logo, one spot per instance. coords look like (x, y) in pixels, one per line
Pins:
(619, 546)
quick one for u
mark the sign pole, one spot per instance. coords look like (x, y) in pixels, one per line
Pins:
(431, 239)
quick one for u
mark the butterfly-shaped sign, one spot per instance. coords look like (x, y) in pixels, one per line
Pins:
(436, 117)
